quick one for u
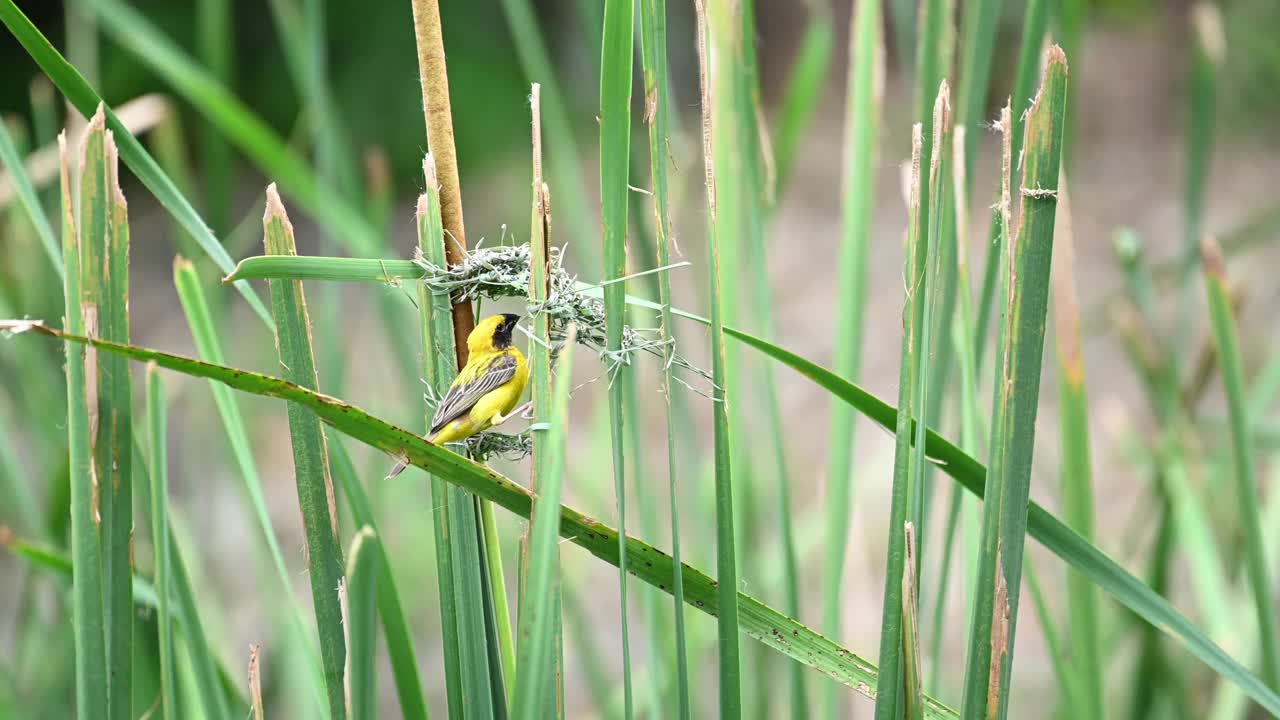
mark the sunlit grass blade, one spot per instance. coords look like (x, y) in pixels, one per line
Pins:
(1077, 467)
(715, 43)
(863, 101)
(1245, 469)
(310, 456)
(80, 94)
(87, 604)
(158, 432)
(615, 162)
(395, 626)
(994, 619)
(805, 86)
(13, 162)
(647, 563)
(104, 293)
(360, 622)
(539, 620)
(205, 334)
(653, 37)
(456, 523)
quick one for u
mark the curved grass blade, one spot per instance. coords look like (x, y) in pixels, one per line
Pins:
(80, 94)
(360, 621)
(310, 457)
(156, 427)
(647, 563)
(1228, 343)
(615, 163)
(26, 192)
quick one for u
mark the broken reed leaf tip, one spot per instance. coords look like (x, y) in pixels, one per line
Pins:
(429, 172)
(1211, 256)
(1206, 21)
(275, 208)
(182, 264)
(1054, 55)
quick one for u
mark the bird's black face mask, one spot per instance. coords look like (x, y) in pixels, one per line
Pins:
(502, 334)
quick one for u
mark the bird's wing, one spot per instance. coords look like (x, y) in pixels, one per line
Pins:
(462, 396)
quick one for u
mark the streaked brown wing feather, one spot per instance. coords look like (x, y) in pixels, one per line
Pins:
(462, 397)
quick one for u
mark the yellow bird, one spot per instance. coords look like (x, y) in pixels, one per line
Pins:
(488, 388)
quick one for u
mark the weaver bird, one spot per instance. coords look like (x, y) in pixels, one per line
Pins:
(486, 391)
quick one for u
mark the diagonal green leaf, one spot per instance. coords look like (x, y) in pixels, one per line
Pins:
(647, 563)
(80, 94)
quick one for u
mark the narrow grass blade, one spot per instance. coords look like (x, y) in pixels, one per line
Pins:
(1035, 21)
(615, 162)
(158, 432)
(657, 91)
(805, 87)
(199, 319)
(716, 119)
(237, 123)
(457, 531)
(310, 456)
(563, 167)
(536, 679)
(395, 626)
(360, 622)
(863, 107)
(889, 704)
(104, 300)
(255, 685)
(990, 656)
(80, 94)
(539, 618)
(1059, 659)
(979, 22)
(647, 563)
(1228, 344)
(215, 45)
(1077, 467)
(27, 194)
(87, 604)
(913, 688)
